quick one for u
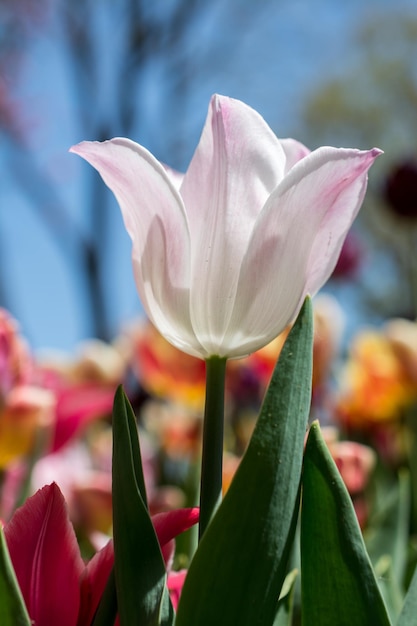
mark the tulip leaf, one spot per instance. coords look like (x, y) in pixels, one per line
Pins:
(13, 610)
(338, 584)
(386, 541)
(286, 599)
(389, 586)
(389, 530)
(239, 567)
(409, 610)
(107, 609)
(139, 567)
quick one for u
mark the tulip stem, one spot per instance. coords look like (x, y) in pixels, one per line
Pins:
(212, 455)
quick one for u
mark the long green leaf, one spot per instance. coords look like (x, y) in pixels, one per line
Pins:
(286, 600)
(408, 615)
(238, 570)
(13, 611)
(338, 584)
(139, 567)
(387, 541)
(389, 531)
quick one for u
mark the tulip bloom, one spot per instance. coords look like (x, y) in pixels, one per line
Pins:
(58, 588)
(224, 258)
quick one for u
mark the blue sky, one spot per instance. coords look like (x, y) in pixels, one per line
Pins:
(269, 54)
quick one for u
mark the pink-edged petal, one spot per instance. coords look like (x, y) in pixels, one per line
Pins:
(172, 523)
(93, 583)
(167, 527)
(175, 584)
(237, 164)
(337, 217)
(296, 243)
(175, 177)
(46, 558)
(155, 219)
(294, 152)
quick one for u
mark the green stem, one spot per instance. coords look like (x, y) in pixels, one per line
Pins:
(212, 455)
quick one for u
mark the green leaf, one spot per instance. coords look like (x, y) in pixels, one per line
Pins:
(285, 602)
(13, 610)
(107, 609)
(389, 587)
(239, 567)
(139, 566)
(409, 611)
(387, 541)
(338, 584)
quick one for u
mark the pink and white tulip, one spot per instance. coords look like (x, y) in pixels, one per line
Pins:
(224, 260)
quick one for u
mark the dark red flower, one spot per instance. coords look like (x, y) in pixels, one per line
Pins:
(400, 191)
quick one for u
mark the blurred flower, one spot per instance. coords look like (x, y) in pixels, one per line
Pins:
(83, 471)
(83, 385)
(94, 361)
(355, 463)
(57, 587)
(223, 265)
(400, 192)
(230, 465)
(26, 410)
(15, 360)
(26, 420)
(402, 335)
(50, 402)
(350, 258)
(374, 385)
(163, 370)
(177, 431)
(249, 377)
(91, 504)
(329, 326)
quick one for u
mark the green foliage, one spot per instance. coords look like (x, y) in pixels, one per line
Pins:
(286, 600)
(409, 610)
(387, 542)
(12, 606)
(139, 567)
(338, 583)
(239, 573)
(240, 565)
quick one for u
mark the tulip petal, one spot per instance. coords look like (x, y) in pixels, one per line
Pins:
(175, 584)
(252, 215)
(172, 523)
(154, 216)
(294, 152)
(94, 582)
(167, 526)
(46, 558)
(344, 179)
(237, 164)
(296, 242)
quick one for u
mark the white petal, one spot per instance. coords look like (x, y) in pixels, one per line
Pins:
(294, 152)
(155, 219)
(296, 243)
(237, 164)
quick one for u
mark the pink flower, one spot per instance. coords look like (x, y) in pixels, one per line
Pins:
(175, 584)
(15, 359)
(223, 263)
(58, 588)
